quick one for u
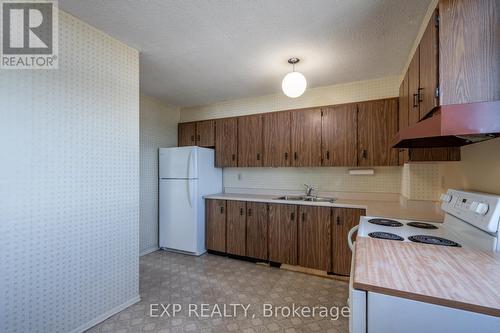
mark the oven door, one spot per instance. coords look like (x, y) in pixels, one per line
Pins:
(357, 303)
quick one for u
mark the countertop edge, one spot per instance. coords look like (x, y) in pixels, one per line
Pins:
(428, 299)
(286, 202)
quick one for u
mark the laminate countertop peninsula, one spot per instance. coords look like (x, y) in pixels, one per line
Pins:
(461, 278)
(380, 208)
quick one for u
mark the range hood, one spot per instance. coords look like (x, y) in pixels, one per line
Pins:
(453, 126)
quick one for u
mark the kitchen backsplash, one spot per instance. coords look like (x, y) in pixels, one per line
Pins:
(385, 180)
(416, 181)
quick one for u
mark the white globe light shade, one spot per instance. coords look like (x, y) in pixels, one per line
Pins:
(294, 84)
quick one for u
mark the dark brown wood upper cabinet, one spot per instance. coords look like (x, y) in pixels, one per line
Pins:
(276, 137)
(306, 137)
(215, 225)
(314, 237)
(205, 133)
(256, 230)
(339, 135)
(403, 115)
(226, 142)
(377, 126)
(413, 85)
(283, 233)
(429, 57)
(250, 141)
(186, 134)
(343, 220)
(469, 38)
(236, 228)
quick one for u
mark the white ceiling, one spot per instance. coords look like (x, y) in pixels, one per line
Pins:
(196, 52)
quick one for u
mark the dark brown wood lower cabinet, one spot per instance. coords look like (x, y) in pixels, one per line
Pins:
(256, 239)
(314, 237)
(343, 220)
(283, 233)
(215, 229)
(236, 227)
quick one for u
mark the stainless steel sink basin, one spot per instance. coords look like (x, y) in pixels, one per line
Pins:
(305, 198)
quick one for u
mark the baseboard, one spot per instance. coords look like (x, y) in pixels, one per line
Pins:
(148, 251)
(106, 315)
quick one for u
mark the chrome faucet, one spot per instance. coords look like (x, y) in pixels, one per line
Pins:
(309, 190)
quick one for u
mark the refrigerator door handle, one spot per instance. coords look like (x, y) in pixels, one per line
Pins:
(190, 161)
(189, 192)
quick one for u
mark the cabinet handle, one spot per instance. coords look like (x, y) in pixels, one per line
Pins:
(258, 156)
(241, 211)
(222, 209)
(415, 100)
(286, 156)
(303, 217)
(233, 157)
(364, 153)
(295, 156)
(192, 138)
(249, 211)
(327, 154)
(292, 216)
(198, 138)
(338, 220)
(420, 98)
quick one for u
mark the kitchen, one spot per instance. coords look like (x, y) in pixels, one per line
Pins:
(204, 166)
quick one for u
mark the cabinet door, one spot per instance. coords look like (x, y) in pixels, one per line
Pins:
(205, 133)
(226, 142)
(306, 137)
(343, 220)
(314, 237)
(413, 85)
(283, 233)
(339, 135)
(428, 68)
(276, 136)
(187, 134)
(469, 44)
(256, 230)
(377, 126)
(236, 227)
(403, 115)
(215, 224)
(250, 141)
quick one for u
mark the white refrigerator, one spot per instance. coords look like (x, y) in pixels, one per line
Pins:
(186, 175)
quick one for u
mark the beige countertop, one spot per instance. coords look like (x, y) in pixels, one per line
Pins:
(383, 208)
(462, 278)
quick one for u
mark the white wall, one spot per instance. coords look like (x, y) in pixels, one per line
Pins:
(69, 185)
(158, 128)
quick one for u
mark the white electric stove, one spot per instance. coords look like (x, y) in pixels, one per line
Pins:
(471, 220)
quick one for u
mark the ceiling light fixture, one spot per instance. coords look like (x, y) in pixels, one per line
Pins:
(294, 83)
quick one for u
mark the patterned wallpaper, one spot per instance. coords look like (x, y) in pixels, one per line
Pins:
(158, 128)
(69, 185)
(336, 94)
(385, 180)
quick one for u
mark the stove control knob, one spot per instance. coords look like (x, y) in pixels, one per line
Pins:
(446, 197)
(479, 208)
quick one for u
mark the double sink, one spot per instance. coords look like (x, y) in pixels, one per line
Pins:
(305, 198)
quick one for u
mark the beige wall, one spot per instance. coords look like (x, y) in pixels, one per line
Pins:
(480, 166)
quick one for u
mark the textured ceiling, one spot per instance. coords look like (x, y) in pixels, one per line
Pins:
(197, 52)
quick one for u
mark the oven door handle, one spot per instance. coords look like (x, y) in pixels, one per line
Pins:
(349, 237)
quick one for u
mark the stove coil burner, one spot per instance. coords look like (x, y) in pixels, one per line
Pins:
(433, 240)
(422, 225)
(386, 222)
(385, 235)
